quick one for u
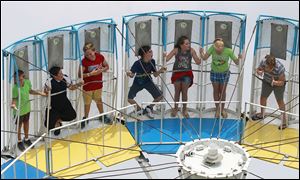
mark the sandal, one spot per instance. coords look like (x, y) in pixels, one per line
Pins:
(282, 127)
(217, 115)
(256, 117)
(174, 112)
(186, 114)
(224, 114)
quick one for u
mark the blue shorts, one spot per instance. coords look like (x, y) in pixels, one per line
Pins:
(184, 79)
(219, 77)
(150, 87)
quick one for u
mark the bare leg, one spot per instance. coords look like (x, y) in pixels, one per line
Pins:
(87, 110)
(100, 106)
(19, 131)
(282, 107)
(177, 86)
(216, 92)
(263, 102)
(185, 88)
(58, 121)
(223, 98)
(26, 128)
(132, 101)
(156, 100)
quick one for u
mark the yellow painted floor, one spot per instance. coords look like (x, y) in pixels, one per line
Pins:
(112, 134)
(271, 133)
(294, 165)
(264, 154)
(60, 151)
(268, 134)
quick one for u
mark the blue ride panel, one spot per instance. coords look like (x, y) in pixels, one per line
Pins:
(168, 141)
(21, 169)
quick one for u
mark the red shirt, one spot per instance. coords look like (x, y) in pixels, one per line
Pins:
(93, 82)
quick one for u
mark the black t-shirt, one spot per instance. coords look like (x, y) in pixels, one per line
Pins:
(58, 92)
(141, 77)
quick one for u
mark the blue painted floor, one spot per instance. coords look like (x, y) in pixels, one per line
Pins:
(22, 170)
(231, 130)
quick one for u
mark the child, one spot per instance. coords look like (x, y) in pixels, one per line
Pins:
(220, 73)
(93, 65)
(182, 76)
(25, 90)
(273, 80)
(61, 107)
(142, 81)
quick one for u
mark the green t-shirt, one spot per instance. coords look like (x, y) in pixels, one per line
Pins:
(220, 61)
(25, 103)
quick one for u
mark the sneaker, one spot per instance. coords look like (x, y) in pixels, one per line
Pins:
(140, 112)
(107, 120)
(148, 111)
(256, 117)
(21, 146)
(57, 132)
(83, 123)
(28, 143)
(282, 127)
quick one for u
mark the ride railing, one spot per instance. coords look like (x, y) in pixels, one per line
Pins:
(70, 138)
(92, 149)
(268, 133)
(24, 157)
(193, 127)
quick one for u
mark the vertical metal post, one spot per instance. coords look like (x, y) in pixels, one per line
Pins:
(35, 80)
(161, 122)
(180, 129)
(15, 171)
(25, 164)
(103, 134)
(120, 132)
(47, 140)
(135, 128)
(200, 120)
(36, 163)
(86, 141)
(69, 147)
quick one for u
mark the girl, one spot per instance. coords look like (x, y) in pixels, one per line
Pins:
(182, 76)
(25, 90)
(220, 73)
(61, 107)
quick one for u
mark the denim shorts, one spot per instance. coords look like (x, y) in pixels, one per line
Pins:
(219, 77)
(150, 87)
(184, 79)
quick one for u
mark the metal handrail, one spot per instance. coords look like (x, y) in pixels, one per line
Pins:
(24, 152)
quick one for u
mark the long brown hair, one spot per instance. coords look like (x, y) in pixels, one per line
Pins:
(180, 41)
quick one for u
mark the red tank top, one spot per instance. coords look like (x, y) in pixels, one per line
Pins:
(93, 82)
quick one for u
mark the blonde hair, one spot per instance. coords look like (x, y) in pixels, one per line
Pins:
(218, 42)
(88, 46)
(218, 39)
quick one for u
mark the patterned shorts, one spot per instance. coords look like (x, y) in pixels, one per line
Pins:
(219, 77)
